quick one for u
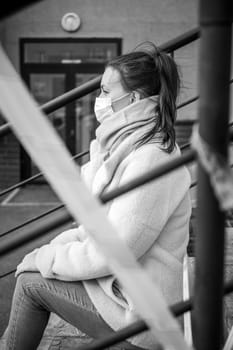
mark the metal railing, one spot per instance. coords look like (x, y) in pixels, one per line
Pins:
(61, 216)
(105, 197)
(64, 217)
(81, 91)
(93, 84)
(36, 176)
(62, 100)
(140, 326)
(79, 155)
(51, 223)
(69, 97)
(51, 211)
(27, 235)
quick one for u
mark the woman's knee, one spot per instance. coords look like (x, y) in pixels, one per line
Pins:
(28, 279)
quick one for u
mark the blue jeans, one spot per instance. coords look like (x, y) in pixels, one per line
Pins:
(35, 297)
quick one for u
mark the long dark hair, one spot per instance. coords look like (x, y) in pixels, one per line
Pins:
(152, 72)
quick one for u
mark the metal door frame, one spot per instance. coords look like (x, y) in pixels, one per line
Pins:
(70, 71)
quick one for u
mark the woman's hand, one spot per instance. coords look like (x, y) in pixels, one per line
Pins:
(28, 263)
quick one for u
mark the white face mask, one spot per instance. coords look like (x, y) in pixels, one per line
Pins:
(103, 107)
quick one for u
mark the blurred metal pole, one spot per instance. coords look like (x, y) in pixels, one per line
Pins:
(214, 74)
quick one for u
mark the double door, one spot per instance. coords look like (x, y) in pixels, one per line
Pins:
(53, 66)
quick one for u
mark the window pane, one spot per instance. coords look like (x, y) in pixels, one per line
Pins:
(96, 52)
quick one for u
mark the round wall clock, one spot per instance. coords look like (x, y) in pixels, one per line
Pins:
(70, 22)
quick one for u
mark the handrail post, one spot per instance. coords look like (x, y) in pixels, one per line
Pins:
(214, 72)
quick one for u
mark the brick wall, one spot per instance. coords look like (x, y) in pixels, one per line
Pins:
(9, 160)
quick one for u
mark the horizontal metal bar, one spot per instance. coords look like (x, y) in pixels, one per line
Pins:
(5, 128)
(48, 107)
(193, 99)
(104, 197)
(181, 40)
(49, 212)
(140, 326)
(7, 273)
(34, 219)
(189, 101)
(72, 95)
(151, 175)
(93, 84)
(65, 217)
(62, 100)
(56, 208)
(34, 177)
(40, 228)
(171, 165)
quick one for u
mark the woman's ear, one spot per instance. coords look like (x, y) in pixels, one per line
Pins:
(135, 96)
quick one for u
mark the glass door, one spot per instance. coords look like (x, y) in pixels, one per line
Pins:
(44, 88)
(51, 67)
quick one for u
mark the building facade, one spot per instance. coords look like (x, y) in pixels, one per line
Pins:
(52, 57)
